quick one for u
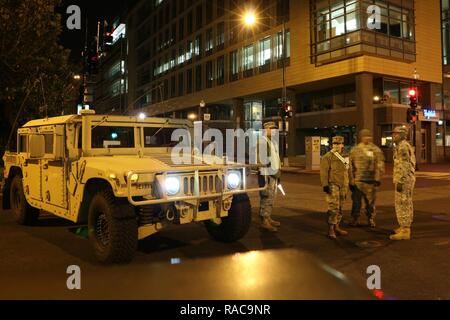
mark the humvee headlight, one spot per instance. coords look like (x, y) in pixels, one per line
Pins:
(233, 180)
(134, 178)
(172, 185)
(113, 176)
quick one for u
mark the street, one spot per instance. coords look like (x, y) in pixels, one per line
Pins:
(34, 259)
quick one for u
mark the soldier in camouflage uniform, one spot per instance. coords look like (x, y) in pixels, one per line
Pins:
(366, 170)
(404, 181)
(334, 178)
(270, 174)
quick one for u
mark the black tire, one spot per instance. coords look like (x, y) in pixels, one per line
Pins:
(24, 214)
(113, 229)
(236, 225)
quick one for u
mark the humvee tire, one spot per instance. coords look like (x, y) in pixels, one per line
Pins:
(113, 229)
(236, 225)
(24, 214)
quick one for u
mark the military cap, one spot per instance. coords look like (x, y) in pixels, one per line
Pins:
(338, 140)
(365, 133)
(270, 125)
(401, 129)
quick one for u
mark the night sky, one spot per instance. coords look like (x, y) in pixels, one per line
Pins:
(95, 10)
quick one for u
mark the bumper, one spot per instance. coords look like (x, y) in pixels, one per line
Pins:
(197, 195)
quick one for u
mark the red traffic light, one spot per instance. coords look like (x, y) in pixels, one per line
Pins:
(412, 93)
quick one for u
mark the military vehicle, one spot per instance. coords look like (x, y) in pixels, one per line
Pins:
(116, 175)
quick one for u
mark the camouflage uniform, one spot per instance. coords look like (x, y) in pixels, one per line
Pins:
(334, 174)
(404, 173)
(269, 174)
(366, 170)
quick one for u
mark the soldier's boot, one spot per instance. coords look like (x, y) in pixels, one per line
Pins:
(274, 223)
(266, 225)
(372, 223)
(331, 232)
(403, 234)
(354, 223)
(397, 230)
(339, 231)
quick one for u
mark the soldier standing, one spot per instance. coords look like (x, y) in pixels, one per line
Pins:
(270, 174)
(366, 170)
(334, 177)
(404, 181)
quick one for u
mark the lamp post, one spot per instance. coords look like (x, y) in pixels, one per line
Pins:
(249, 21)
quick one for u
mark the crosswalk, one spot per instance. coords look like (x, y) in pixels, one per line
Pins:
(433, 175)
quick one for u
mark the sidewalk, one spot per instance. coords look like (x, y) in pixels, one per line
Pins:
(422, 167)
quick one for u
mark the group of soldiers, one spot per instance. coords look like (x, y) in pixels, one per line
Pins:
(361, 173)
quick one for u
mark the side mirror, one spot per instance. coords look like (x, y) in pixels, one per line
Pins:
(37, 146)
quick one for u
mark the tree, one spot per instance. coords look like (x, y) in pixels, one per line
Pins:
(32, 61)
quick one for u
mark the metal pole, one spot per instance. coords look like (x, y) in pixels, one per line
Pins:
(284, 93)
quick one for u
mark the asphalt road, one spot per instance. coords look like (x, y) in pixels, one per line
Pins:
(182, 262)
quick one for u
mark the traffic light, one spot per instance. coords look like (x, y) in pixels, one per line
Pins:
(108, 38)
(93, 62)
(412, 93)
(286, 110)
(411, 116)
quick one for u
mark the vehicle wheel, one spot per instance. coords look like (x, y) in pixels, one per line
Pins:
(24, 214)
(112, 228)
(236, 225)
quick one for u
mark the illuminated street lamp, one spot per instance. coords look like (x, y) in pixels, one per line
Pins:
(249, 18)
(77, 77)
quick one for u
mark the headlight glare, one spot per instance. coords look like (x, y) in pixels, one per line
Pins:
(233, 180)
(172, 185)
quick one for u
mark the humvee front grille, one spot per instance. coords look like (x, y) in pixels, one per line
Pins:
(208, 183)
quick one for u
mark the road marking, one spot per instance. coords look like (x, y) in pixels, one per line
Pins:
(433, 175)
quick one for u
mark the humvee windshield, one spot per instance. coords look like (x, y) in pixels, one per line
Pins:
(112, 137)
(159, 137)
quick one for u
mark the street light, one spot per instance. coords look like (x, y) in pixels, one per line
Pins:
(77, 77)
(249, 18)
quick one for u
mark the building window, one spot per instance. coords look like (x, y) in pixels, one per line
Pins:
(198, 77)
(327, 99)
(248, 60)
(173, 87)
(209, 11)
(198, 46)
(199, 17)
(340, 29)
(209, 74)
(234, 66)
(279, 45)
(220, 8)
(180, 84)
(209, 41)
(265, 54)
(189, 23)
(189, 81)
(282, 11)
(220, 35)
(446, 31)
(181, 29)
(220, 70)
(189, 51)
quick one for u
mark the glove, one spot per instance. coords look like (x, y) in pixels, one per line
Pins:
(352, 188)
(377, 183)
(399, 187)
(327, 190)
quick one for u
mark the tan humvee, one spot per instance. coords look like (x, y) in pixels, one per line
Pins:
(115, 174)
